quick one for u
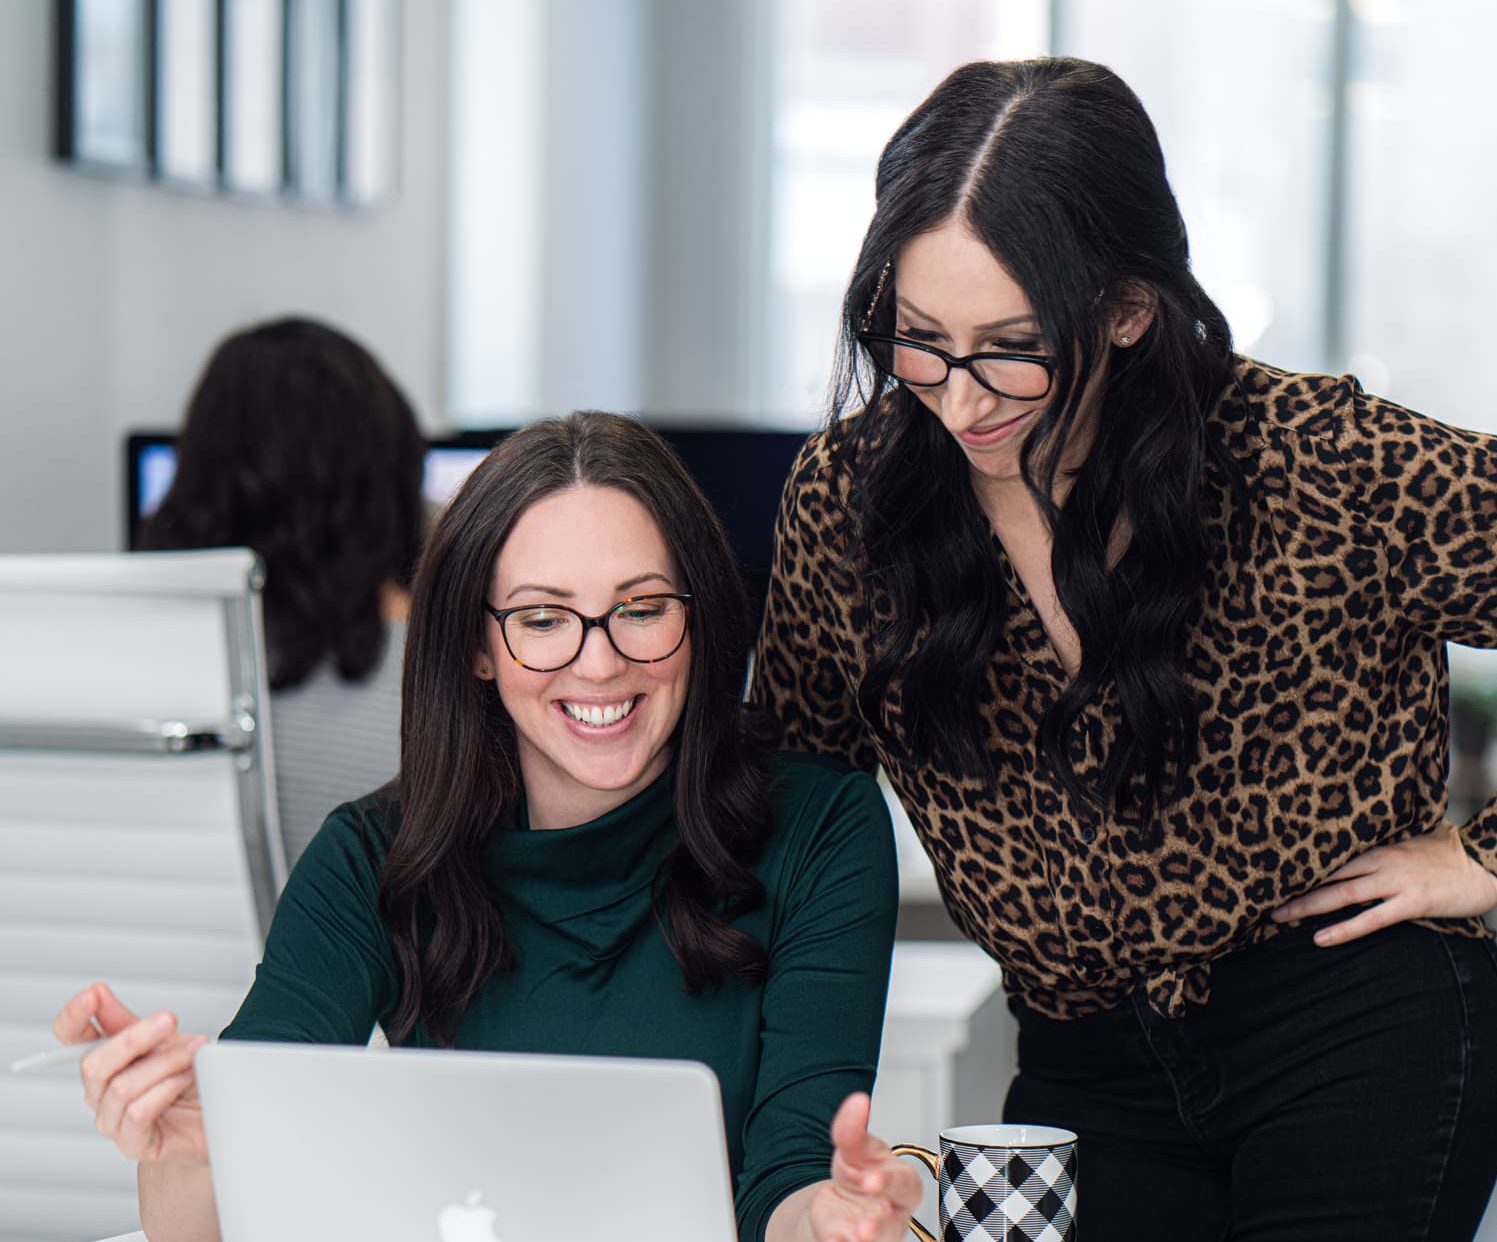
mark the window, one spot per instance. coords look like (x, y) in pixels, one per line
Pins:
(1329, 163)
(1240, 93)
(1422, 191)
(848, 73)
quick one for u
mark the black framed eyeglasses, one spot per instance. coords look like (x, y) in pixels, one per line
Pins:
(1019, 377)
(645, 629)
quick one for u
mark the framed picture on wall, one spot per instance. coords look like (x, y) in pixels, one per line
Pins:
(253, 97)
(251, 91)
(187, 92)
(314, 103)
(105, 90)
(370, 155)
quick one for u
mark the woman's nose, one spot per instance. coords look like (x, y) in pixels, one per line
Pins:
(964, 401)
(598, 660)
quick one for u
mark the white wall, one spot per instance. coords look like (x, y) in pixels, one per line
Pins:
(113, 294)
(629, 140)
(710, 213)
(594, 183)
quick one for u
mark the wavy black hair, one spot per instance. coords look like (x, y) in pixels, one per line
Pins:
(1054, 165)
(298, 445)
(459, 767)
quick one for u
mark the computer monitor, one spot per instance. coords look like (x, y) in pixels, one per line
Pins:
(741, 471)
(151, 464)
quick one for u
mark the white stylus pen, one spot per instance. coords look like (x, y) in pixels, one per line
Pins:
(53, 1056)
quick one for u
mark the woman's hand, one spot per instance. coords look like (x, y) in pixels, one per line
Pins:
(140, 1082)
(871, 1192)
(1428, 876)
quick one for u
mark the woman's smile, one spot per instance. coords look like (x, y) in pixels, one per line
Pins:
(998, 433)
(594, 719)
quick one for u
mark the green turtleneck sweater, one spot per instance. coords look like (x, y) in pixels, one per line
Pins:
(595, 976)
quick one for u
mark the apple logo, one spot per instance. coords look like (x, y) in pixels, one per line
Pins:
(467, 1222)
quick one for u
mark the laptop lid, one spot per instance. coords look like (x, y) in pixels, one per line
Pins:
(311, 1142)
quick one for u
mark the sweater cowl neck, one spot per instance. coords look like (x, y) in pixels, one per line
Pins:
(603, 867)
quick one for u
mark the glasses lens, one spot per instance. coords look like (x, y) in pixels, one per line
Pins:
(648, 628)
(904, 362)
(542, 637)
(915, 366)
(1023, 381)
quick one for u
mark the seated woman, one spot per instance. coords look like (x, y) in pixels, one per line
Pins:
(585, 852)
(298, 445)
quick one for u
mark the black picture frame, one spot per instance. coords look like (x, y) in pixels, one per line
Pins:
(106, 85)
(187, 131)
(255, 98)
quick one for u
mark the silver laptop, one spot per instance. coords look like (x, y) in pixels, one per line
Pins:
(313, 1144)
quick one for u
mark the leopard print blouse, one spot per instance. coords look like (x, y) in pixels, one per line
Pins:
(1319, 656)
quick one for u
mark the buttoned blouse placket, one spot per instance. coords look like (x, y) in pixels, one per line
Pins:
(1076, 846)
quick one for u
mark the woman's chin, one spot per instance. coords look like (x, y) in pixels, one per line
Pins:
(612, 773)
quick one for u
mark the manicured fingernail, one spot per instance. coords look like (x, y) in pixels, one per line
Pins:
(1324, 937)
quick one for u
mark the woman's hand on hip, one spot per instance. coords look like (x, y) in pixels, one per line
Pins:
(1428, 876)
(871, 1192)
(140, 1082)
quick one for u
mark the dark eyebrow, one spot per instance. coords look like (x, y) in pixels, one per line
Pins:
(558, 593)
(982, 327)
(538, 587)
(642, 578)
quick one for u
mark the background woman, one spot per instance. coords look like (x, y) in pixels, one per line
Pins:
(598, 856)
(298, 445)
(1150, 640)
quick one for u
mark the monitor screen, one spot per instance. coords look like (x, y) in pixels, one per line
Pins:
(742, 473)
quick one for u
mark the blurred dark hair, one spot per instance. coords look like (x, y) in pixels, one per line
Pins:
(1054, 165)
(459, 769)
(298, 445)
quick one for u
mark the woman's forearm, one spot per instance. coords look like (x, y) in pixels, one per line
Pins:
(176, 1202)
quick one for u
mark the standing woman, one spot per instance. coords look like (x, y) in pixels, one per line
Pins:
(1150, 639)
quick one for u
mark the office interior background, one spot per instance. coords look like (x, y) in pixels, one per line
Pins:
(652, 206)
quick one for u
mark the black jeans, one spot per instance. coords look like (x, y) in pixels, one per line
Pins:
(1341, 1095)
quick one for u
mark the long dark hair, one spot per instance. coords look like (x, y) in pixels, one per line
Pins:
(1055, 166)
(298, 445)
(459, 771)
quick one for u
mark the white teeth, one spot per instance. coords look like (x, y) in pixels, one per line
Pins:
(594, 714)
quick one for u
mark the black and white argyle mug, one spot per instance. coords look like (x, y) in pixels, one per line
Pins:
(1002, 1183)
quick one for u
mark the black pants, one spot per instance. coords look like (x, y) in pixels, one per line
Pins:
(1341, 1095)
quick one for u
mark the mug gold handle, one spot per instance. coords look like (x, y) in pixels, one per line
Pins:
(932, 1164)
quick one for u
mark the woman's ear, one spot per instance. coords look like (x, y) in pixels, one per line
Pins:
(1133, 314)
(483, 667)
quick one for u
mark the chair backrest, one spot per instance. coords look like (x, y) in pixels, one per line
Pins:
(138, 841)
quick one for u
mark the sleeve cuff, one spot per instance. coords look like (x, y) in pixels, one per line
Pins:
(756, 1207)
(1479, 836)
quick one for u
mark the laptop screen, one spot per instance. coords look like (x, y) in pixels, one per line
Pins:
(741, 471)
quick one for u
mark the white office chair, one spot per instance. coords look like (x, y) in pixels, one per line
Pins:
(138, 841)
